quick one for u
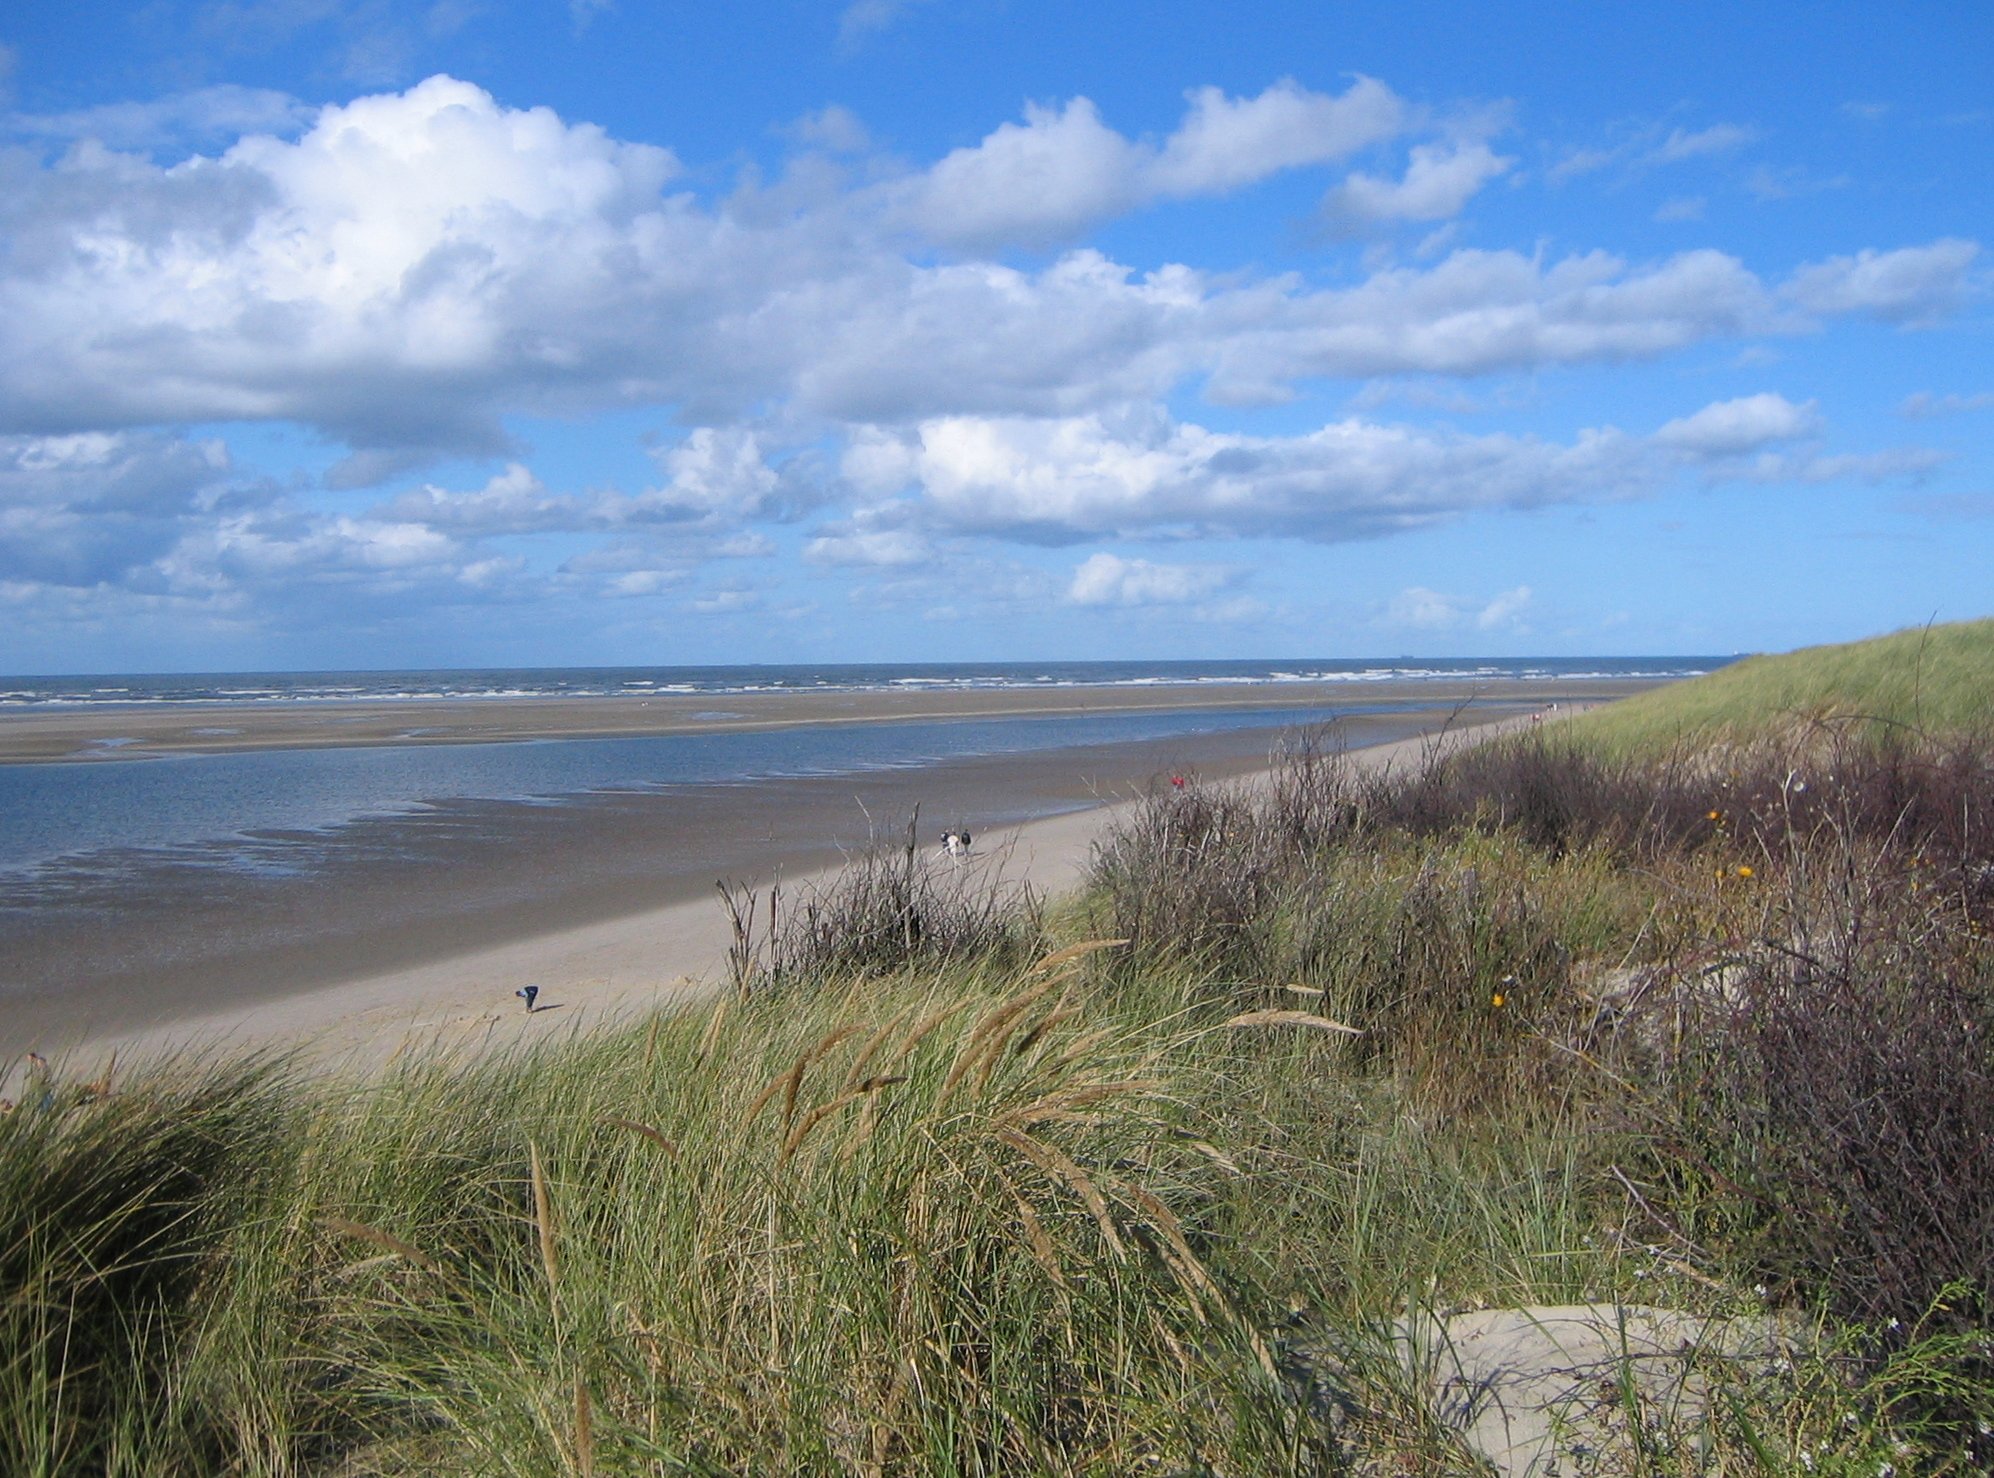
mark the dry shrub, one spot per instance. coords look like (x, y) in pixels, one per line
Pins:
(1551, 793)
(1865, 1117)
(1808, 783)
(1192, 878)
(890, 908)
(1845, 1082)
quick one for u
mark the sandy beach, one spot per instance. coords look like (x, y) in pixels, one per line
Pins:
(609, 906)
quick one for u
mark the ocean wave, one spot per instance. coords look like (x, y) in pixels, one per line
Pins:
(530, 684)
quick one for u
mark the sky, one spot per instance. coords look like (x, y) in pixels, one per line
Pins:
(349, 333)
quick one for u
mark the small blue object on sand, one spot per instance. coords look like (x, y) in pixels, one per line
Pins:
(526, 993)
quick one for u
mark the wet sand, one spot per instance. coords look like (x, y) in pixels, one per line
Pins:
(608, 904)
(113, 732)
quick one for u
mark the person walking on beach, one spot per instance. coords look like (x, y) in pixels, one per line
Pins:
(40, 1085)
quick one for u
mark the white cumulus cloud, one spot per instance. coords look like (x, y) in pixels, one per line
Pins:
(1419, 608)
(513, 501)
(1109, 580)
(1915, 284)
(1505, 610)
(1033, 184)
(95, 506)
(880, 548)
(716, 472)
(1423, 609)
(1140, 472)
(371, 277)
(1438, 182)
(1734, 427)
(1063, 169)
(1226, 142)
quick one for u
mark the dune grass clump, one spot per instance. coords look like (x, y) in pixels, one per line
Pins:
(949, 1233)
(119, 1208)
(1406, 907)
(916, 1225)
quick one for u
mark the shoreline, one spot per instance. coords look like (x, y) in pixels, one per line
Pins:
(122, 734)
(602, 947)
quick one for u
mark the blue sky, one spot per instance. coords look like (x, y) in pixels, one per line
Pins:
(347, 333)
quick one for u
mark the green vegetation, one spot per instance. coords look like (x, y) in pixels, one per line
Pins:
(950, 1184)
(1930, 680)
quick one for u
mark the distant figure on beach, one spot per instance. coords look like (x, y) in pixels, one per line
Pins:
(526, 993)
(40, 1082)
(956, 844)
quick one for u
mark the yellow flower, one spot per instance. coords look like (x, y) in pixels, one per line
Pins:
(1744, 872)
(1715, 816)
(1497, 999)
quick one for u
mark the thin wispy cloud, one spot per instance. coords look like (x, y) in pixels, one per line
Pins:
(178, 124)
(1652, 147)
(1923, 405)
(863, 19)
(1681, 144)
(583, 14)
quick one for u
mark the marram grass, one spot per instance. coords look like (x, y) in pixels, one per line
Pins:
(916, 1226)
(1930, 680)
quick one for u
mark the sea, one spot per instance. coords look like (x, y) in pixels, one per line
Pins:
(90, 821)
(22, 693)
